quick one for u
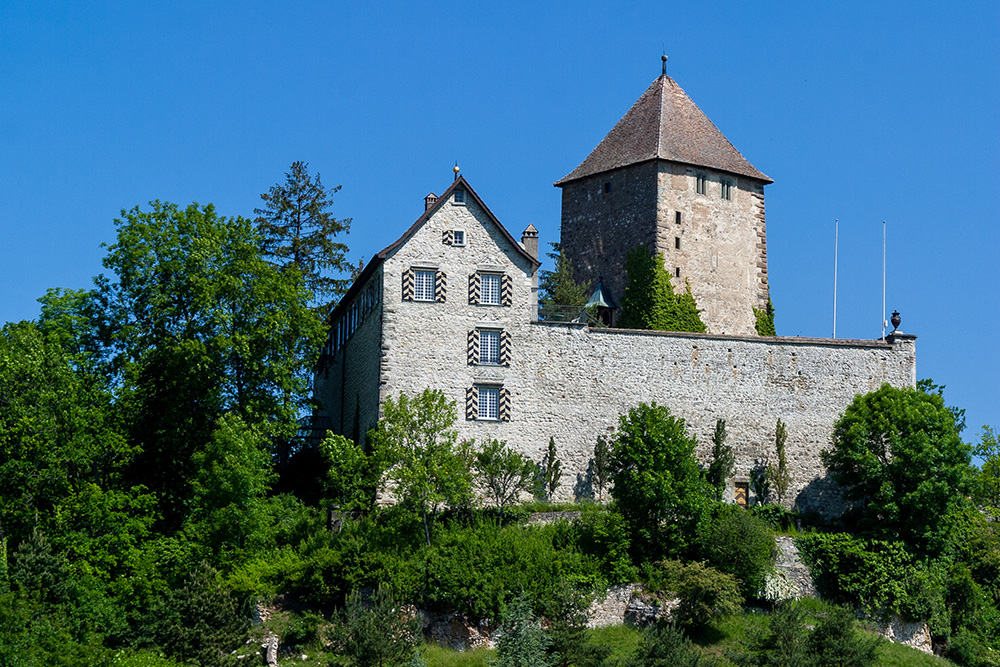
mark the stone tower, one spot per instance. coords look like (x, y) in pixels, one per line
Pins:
(665, 177)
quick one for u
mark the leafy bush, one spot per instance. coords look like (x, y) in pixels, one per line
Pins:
(605, 535)
(776, 516)
(736, 542)
(705, 593)
(868, 573)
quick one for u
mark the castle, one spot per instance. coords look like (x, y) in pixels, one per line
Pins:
(452, 305)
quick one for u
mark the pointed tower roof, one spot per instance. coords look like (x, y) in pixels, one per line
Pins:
(665, 124)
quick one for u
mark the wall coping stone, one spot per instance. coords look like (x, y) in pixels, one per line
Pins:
(877, 343)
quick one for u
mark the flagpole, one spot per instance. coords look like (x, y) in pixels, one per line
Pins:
(883, 280)
(836, 234)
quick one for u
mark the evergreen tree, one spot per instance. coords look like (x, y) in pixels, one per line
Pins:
(376, 632)
(723, 460)
(765, 319)
(558, 288)
(297, 231)
(601, 469)
(777, 473)
(552, 470)
(521, 642)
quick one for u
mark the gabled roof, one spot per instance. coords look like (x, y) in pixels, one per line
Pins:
(665, 124)
(380, 257)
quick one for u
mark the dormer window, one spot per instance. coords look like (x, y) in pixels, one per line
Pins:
(460, 197)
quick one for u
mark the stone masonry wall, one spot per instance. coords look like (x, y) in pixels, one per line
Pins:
(348, 385)
(598, 228)
(722, 244)
(574, 382)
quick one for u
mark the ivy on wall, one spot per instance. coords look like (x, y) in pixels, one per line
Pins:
(649, 301)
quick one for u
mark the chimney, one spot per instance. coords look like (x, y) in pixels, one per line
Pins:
(430, 200)
(529, 239)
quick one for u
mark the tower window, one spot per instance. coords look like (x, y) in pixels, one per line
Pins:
(726, 188)
(606, 188)
(677, 217)
(677, 272)
(677, 242)
(699, 185)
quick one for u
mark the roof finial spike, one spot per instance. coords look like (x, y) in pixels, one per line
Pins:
(456, 170)
(664, 59)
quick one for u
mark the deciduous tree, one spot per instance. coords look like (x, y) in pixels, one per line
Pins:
(427, 464)
(658, 486)
(898, 454)
(505, 473)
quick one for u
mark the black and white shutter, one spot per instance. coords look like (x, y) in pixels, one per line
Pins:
(506, 290)
(505, 348)
(475, 288)
(408, 285)
(440, 286)
(471, 403)
(504, 412)
(448, 237)
(473, 348)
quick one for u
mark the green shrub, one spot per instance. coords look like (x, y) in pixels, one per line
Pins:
(776, 516)
(838, 642)
(605, 535)
(782, 643)
(867, 573)
(375, 632)
(663, 645)
(736, 542)
(705, 593)
(521, 642)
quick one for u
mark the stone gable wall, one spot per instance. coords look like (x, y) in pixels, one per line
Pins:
(426, 344)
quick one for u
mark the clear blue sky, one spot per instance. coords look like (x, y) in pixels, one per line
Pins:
(861, 111)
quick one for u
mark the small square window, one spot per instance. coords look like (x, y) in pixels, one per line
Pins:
(489, 347)
(490, 289)
(459, 196)
(726, 188)
(423, 285)
(489, 403)
(606, 188)
(699, 186)
(459, 237)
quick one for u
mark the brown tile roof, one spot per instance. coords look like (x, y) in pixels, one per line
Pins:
(665, 124)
